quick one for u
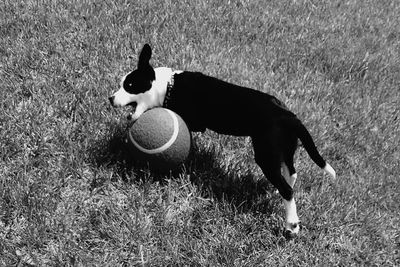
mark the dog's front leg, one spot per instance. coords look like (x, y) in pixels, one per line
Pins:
(140, 109)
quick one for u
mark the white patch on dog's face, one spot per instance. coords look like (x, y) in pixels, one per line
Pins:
(123, 98)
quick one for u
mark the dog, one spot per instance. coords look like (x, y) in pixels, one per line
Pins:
(206, 102)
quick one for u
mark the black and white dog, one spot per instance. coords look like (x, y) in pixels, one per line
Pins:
(206, 102)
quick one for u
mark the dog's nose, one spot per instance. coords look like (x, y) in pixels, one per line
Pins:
(111, 98)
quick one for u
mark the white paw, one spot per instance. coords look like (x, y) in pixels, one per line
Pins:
(129, 116)
(292, 220)
(293, 227)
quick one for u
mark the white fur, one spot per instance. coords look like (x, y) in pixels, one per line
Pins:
(290, 179)
(292, 220)
(293, 179)
(328, 168)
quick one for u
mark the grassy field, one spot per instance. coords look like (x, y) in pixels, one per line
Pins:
(71, 196)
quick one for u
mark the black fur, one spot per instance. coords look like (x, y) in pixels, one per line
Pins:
(139, 80)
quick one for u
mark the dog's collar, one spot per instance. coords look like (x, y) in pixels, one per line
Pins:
(170, 87)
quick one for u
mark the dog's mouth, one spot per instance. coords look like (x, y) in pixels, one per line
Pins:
(132, 111)
(133, 105)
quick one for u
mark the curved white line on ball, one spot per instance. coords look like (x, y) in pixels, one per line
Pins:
(167, 144)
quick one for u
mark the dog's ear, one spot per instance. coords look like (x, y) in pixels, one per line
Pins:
(144, 56)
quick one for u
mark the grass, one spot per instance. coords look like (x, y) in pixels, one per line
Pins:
(71, 196)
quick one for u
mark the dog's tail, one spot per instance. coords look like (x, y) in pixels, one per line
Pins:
(309, 145)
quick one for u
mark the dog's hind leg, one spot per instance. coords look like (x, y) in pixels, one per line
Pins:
(289, 149)
(273, 174)
(289, 176)
(268, 157)
(288, 170)
(292, 220)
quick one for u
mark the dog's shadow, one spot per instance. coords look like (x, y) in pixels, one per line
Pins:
(246, 193)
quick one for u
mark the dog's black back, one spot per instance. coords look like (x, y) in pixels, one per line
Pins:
(207, 102)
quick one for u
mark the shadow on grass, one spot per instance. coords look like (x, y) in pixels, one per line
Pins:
(245, 193)
(112, 152)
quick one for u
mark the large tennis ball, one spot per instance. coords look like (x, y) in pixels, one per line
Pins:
(161, 138)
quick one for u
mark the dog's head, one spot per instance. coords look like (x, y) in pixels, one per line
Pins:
(136, 82)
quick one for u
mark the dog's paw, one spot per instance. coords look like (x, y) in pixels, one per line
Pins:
(129, 117)
(292, 228)
(132, 117)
